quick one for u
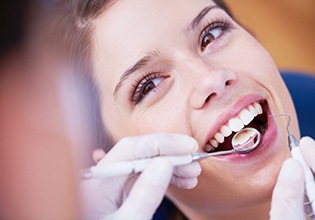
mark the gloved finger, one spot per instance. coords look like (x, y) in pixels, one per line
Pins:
(146, 146)
(288, 194)
(98, 154)
(129, 184)
(185, 176)
(147, 192)
(101, 196)
(191, 170)
(307, 147)
(184, 183)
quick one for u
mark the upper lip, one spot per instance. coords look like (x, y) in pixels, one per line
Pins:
(231, 112)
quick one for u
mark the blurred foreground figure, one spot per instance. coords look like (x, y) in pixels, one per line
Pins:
(36, 160)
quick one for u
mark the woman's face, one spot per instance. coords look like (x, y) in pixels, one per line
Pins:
(184, 66)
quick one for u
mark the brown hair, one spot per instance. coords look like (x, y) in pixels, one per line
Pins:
(72, 30)
(69, 37)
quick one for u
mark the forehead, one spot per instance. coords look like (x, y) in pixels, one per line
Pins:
(128, 29)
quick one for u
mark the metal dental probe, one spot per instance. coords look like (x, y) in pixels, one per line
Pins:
(296, 154)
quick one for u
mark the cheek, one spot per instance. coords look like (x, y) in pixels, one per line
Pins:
(245, 55)
(115, 119)
(168, 115)
(249, 59)
(265, 72)
(166, 119)
(255, 60)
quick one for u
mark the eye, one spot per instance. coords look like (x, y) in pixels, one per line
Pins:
(145, 86)
(212, 32)
(211, 36)
(150, 85)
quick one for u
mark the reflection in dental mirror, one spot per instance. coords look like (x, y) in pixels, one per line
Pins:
(246, 140)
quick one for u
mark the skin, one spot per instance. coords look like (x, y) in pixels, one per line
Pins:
(197, 91)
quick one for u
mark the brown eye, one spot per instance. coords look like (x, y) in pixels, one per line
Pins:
(145, 86)
(212, 32)
(207, 40)
(148, 87)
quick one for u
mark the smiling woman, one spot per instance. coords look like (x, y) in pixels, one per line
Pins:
(187, 67)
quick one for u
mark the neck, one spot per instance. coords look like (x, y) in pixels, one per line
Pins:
(257, 212)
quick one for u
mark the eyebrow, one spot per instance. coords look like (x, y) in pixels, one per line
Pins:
(195, 22)
(138, 65)
(152, 55)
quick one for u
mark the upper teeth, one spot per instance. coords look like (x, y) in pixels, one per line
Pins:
(234, 124)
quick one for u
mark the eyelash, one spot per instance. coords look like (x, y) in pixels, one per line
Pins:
(223, 25)
(136, 94)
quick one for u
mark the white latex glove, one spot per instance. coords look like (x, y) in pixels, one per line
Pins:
(288, 195)
(138, 196)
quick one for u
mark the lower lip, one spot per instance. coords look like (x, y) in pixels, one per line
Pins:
(266, 142)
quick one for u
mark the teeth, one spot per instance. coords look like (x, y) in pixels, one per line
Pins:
(258, 108)
(209, 148)
(219, 137)
(234, 124)
(246, 117)
(252, 110)
(214, 143)
(226, 131)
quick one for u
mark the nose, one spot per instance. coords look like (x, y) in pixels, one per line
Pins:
(207, 82)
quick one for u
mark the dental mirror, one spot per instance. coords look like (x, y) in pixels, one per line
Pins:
(243, 141)
(246, 140)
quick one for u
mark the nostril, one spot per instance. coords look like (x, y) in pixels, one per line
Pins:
(208, 98)
(229, 82)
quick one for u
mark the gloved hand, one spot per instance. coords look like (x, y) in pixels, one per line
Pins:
(138, 196)
(288, 194)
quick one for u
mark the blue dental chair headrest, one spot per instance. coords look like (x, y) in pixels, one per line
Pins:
(302, 89)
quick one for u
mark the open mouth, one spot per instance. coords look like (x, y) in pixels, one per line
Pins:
(255, 116)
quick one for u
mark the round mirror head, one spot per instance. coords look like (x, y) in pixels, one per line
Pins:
(246, 140)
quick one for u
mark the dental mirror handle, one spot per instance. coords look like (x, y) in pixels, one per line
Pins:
(309, 177)
(136, 166)
(131, 167)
